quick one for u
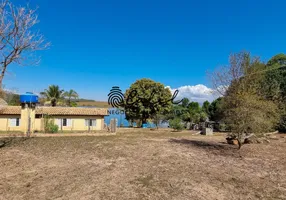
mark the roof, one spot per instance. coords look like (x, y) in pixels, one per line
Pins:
(10, 110)
(65, 111)
(71, 111)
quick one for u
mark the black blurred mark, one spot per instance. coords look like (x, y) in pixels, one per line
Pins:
(115, 97)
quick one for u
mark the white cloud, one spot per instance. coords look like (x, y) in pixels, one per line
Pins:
(198, 93)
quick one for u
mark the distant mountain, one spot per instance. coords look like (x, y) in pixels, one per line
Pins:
(82, 100)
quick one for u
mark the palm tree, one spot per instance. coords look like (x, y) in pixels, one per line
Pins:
(70, 95)
(53, 94)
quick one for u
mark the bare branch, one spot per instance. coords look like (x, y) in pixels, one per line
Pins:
(18, 40)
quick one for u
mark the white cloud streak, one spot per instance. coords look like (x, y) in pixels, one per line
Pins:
(198, 93)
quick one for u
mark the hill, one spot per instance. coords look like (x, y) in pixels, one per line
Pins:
(86, 102)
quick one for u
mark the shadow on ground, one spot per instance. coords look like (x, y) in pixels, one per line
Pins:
(9, 141)
(223, 149)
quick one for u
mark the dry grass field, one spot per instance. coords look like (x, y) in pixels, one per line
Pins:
(142, 164)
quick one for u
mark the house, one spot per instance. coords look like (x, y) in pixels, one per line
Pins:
(31, 118)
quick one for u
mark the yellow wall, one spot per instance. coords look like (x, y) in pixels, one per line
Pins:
(78, 123)
(5, 123)
(37, 124)
(25, 114)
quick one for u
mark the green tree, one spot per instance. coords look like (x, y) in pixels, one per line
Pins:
(279, 59)
(69, 95)
(245, 110)
(145, 99)
(206, 107)
(215, 110)
(185, 102)
(247, 113)
(194, 113)
(53, 94)
(176, 124)
(273, 87)
(274, 84)
(177, 111)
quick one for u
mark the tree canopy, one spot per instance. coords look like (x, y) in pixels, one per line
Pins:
(145, 99)
(55, 96)
(244, 108)
(274, 86)
(69, 95)
(215, 110)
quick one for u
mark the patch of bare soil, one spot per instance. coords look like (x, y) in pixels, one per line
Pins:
(142, 165)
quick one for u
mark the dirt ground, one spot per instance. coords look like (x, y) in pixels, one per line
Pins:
(142, 164)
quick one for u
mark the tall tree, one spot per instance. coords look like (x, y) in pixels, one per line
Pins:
(206, 107)
(69, 95)
(215, 110)
(53, 94)
(245, 110)
(274, 86)
(194, 113)
(18, 37)
(185, 102)
(145, 99)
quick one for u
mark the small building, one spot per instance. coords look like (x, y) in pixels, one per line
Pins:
(25, 118)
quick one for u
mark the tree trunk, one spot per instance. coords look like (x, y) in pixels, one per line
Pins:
(2, 94)
(54, 102)
(4, 67)
(1, 80)
(240, 140)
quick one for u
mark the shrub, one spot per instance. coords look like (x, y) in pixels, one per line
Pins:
(49, 125)
(52, 128)
(176, 124)
(222, 127)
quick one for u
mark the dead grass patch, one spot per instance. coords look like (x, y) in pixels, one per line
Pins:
(142, 164)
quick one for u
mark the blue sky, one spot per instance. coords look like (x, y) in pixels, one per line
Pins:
(100, 44)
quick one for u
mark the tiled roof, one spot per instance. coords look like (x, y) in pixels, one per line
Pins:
(69, 111)
(10, 110)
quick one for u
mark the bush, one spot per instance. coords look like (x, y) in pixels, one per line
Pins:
(176, 124)
(222, 127)
(50, 126)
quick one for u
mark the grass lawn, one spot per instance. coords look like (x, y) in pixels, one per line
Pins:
(142, 164)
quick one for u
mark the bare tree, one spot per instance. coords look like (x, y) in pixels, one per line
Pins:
(18, 39)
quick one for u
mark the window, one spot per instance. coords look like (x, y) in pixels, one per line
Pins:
(14, 122)
(90, 122)
(64, 122)
(38, 116)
